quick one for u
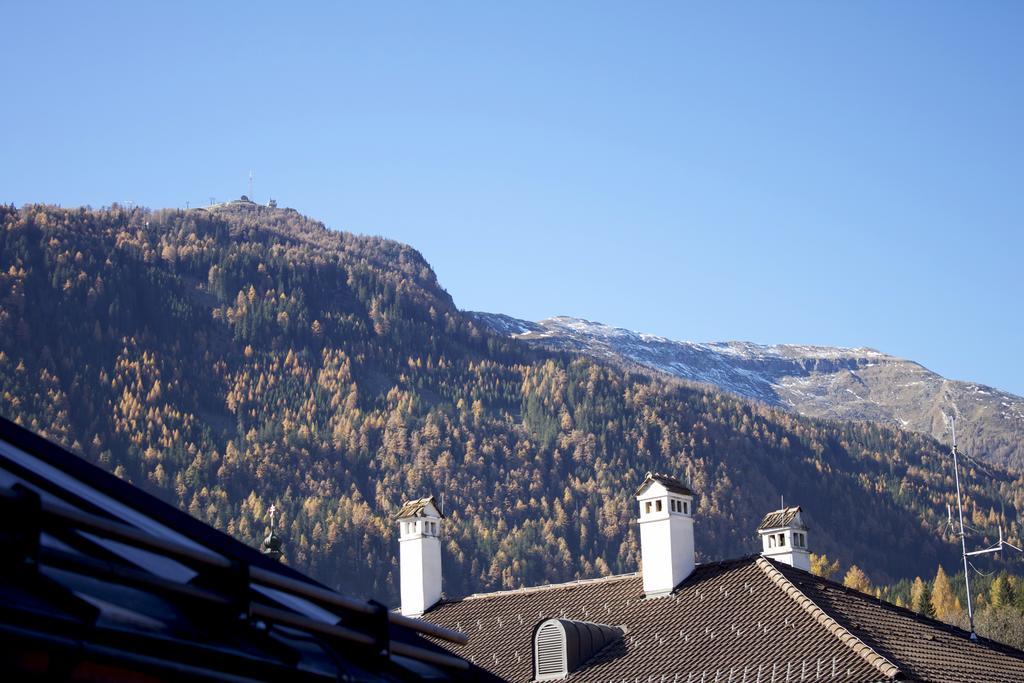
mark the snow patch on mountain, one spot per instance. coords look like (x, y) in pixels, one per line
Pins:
(818, 381)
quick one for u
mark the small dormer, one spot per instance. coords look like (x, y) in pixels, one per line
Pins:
(784, 537)
(562, 646)
(666, 533)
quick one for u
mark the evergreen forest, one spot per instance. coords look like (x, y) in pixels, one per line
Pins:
(230, 358)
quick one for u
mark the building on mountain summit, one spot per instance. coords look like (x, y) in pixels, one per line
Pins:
(757, 619)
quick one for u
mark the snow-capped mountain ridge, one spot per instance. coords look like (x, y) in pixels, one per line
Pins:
(818, 381)
(743, 349)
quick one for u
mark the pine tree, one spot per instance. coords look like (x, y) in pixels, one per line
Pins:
(926, 600)
(1018, 594)
(918, 595)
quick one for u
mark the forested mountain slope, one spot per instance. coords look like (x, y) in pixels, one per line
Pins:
(816, 381)
(234, 358)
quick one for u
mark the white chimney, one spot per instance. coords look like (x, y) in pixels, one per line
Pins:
(419, 541)
(784, 538)
(666, 533)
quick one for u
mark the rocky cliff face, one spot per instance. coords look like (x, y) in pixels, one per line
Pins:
(817, 381)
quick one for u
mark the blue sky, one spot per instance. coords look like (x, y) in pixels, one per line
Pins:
(830, 173)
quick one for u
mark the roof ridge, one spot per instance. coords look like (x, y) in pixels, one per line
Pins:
(781, 518)
(412, 507)
(548, 586)
(668, 481)
(525, 590)
(862, 649)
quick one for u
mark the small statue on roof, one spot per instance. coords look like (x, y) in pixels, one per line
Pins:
(271, 546)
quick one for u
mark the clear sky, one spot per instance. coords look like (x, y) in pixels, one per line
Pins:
(832, 173)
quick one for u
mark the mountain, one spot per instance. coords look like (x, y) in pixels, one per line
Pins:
(231, 358)
(816, 381)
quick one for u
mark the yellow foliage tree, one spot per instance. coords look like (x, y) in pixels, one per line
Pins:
(918, 595)
(1000, 592)
(944, 600)
(821, 566)
(856, 579)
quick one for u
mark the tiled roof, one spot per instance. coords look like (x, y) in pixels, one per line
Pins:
(414, 508)
(729, 619)
(749, 619)
(886, 668)
(779, 518)
(924, 649)
(671, 483)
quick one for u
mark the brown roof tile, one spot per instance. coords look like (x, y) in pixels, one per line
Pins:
(779, 518)
(414, 508)
(924, 649)
(886, 668)
(727, 619)
(748, 619)
(671, 483)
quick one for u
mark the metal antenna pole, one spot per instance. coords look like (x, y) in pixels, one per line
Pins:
(963, 541)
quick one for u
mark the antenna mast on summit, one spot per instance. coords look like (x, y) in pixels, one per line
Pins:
(250, 185)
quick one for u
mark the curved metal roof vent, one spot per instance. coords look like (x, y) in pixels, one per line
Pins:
(561, 646)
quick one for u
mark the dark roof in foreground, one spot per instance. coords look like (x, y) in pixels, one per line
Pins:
(779, 518)
(101, 581)
(749, 619)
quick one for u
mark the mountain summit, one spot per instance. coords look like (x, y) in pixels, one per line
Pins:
(233, 358)
(816, 381)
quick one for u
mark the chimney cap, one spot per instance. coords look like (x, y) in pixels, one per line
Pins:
(785, 517)
(418, 508)
(671, 483)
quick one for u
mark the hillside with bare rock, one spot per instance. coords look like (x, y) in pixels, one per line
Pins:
(816, 381)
